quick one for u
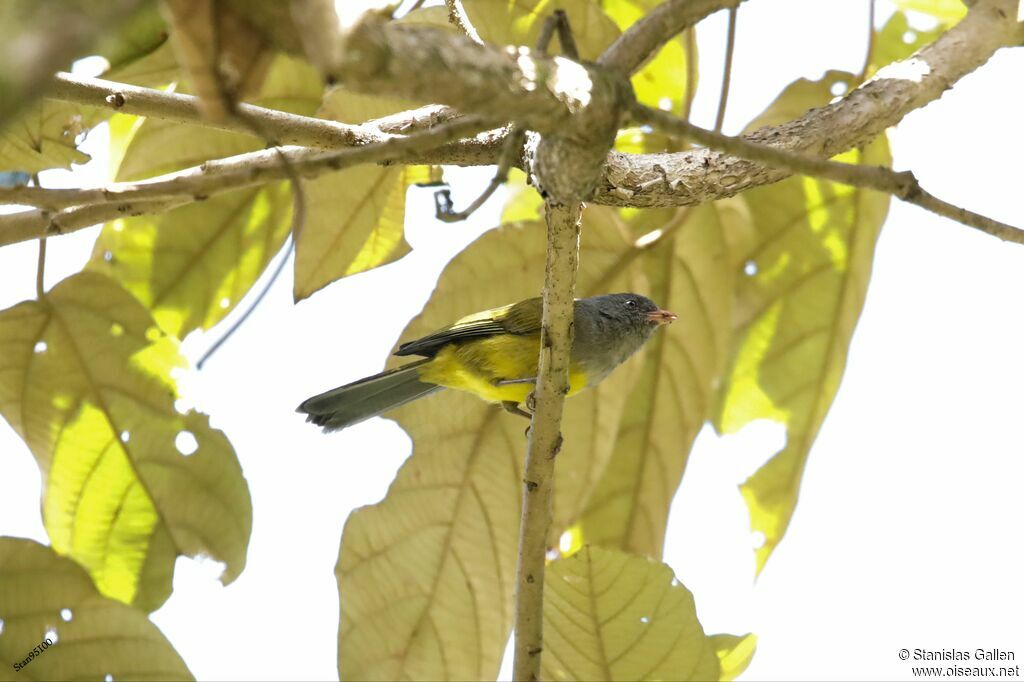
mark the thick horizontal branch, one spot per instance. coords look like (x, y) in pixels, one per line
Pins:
(428, 63)
(216, 177)
(900, 184)
(645, 37)
(696, 177)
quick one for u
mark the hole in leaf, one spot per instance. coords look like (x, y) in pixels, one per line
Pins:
(838, 88)
(108, 678)
(66, 615)
(552, 554)
(750, 268)
(225, 302)
(51, 635)
(39, 347)
(118, 225)
(108, 256)
(665, 104)
(126, 436)
(645, 620)
(1, 626)
(757, 538)
(186, 443)
(181, 406)
(909, 37)
(116, 329)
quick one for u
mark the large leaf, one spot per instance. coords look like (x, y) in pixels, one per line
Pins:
(692, 275)
(519, 23)
(612, 616)
(129, 483)
(192, 265)
(897, 40)
(45, 596)
(426, 575)
(44, 136)
(797, 307)
(948, 12)
(355, 222)
(664, 81)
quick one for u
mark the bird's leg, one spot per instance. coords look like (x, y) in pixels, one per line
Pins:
(513, 407)
(506, 382)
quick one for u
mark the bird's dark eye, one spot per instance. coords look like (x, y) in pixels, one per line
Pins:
(630, 303)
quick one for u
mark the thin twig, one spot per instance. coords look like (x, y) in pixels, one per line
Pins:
(545, 438)
(244, 170)
(509, 156)
(565, 37)
(730, 45)
(870, 53)
(457, 17)
(902, 185)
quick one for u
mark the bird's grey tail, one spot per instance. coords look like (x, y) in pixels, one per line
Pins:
(369, 397)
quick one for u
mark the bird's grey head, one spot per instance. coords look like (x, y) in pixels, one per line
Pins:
(611, 327)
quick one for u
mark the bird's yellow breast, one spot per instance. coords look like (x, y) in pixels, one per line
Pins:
(478, 366)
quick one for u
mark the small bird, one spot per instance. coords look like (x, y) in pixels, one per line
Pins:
(493, 355)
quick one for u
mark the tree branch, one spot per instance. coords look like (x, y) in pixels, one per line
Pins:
(216, 177)
(699, 176)
(545, 438)
(902, 185)
(427, 63)
(645, 37)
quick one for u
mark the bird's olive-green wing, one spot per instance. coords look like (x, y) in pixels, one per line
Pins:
(518, 318)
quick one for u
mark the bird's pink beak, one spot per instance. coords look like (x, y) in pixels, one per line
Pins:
(660, 317)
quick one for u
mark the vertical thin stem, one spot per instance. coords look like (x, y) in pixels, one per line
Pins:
(870, 54)
(545, 438)
(691, 72)
(41, 264)
(730, 44)
(41, 268)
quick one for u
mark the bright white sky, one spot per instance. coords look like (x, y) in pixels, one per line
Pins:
(907, 534)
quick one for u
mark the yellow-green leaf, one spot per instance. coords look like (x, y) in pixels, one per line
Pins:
(191, 266)
(129, 483)
(612, 616)
(797, 305)
(948, 12)
(426, 575)
(519, 23)
(355, 221)
(664, 81)
(45, 596)
(44, 136)
(734, 654)
(523, 203)
(897, 40)
(691, 274)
